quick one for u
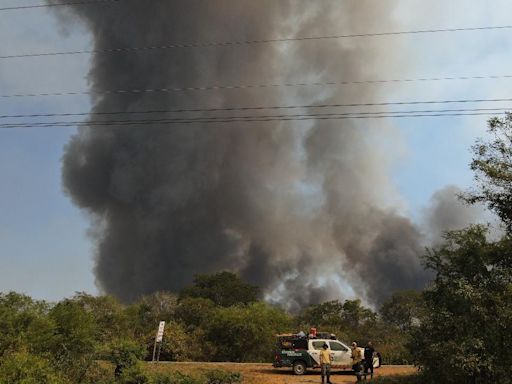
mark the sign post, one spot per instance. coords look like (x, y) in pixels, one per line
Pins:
(158, 340)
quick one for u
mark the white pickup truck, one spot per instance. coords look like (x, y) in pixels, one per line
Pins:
(304, 353)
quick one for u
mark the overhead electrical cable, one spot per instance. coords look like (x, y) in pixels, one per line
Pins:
(254, 86)
(204, 44)
(70, 3)
(234, 119)
(278, 107)
(219, 117)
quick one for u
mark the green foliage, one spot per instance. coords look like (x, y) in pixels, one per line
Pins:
(465, 336)
(126, 353)
(334, 314)
(25, 368)
(224, 289)
(22, 321)
(222, 377)
(218, 319)
(194, 311)
(245, 333)
(108, 315)
(405, 309)
(145, 314)
(492, 164)
(328, 314)
(73, 344)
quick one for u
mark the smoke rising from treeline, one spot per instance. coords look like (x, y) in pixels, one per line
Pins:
(306, 210)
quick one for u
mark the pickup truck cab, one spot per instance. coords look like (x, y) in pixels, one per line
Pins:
(302, 354)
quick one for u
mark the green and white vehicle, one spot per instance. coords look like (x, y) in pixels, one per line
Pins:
(302, 354)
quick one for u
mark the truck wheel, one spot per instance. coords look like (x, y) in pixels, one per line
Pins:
(299, 368)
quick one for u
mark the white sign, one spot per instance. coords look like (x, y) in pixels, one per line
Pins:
(160, 333)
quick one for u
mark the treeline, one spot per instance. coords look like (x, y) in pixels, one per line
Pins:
(218, 318)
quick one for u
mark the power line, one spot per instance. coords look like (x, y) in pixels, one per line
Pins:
(223, 117)
(276, 107)
(240, 42)
(254, 86)
(237, 119)
(58, 4)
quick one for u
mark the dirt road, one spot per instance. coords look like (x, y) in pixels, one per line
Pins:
(266, 374)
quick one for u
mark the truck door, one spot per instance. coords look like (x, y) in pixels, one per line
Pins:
(341, 354)
(314, 350)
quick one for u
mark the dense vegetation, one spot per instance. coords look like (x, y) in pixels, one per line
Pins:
(218, 318)
(457, 331)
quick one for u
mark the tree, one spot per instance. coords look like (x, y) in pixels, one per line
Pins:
(492, 164)
(22, 322)
(194, 311)
(355, 315)
(466, 333)
(328, 314)
(224, 289)
(404, 309)
(145, 314)
(74, 343)
(108, 315)
(24, 368)
(245, 333)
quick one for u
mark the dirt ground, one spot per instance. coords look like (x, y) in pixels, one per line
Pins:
(266, 374)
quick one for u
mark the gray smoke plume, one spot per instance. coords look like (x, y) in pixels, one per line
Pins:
(448, 212)
(305, 209)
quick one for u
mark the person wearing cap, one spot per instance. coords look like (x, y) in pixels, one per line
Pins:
(325, 363)
(357, 358)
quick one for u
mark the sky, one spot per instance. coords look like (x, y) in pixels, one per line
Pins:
(44, 247)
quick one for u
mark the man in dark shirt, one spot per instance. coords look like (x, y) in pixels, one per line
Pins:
(368, 358)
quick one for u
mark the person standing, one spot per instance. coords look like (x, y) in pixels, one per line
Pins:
(357, 358)
(369, 352)
(325, 363)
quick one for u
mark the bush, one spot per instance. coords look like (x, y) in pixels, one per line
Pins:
(126, 353)
(25, 368)
(245, 333)
(222, 377)
(466, 338)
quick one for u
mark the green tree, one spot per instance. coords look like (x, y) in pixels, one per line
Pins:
(194, 311)
(24, 368)
(74, 343)
(145, 314)
(108, 315)
(224, 289)
(356, 315)
(245, 333)
(328, 314)
(492, 164)
(404, 309)
(465, 336)
(23, 321)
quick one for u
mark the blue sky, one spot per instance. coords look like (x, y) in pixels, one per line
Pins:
(44, 249)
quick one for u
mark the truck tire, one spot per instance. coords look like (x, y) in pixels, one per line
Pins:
(299, 367)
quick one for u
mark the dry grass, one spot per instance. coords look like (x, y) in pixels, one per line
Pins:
(266, 374)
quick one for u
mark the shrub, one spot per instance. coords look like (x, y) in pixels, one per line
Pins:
(25, 368)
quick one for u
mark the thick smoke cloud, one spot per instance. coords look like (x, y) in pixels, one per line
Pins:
(448, 212)
(306, 210)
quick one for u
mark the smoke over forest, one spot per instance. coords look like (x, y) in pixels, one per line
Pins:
(307, 210)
